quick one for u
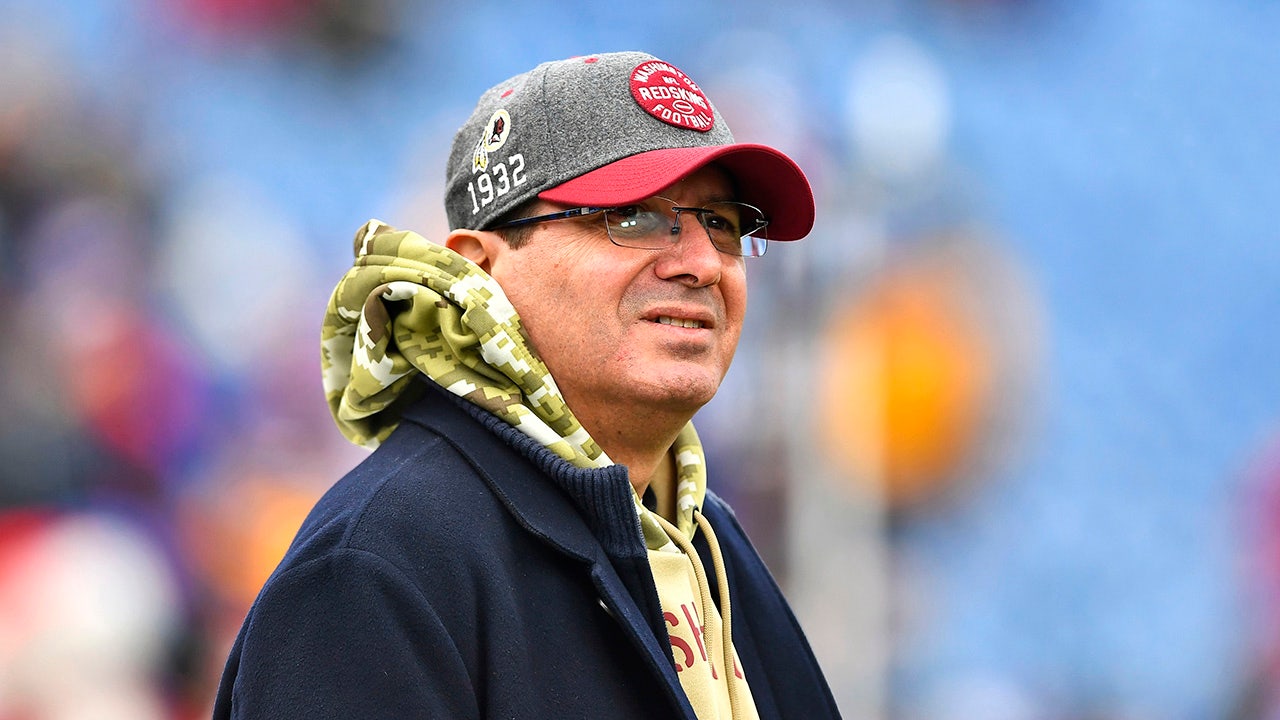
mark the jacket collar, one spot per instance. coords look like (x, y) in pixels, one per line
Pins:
(599, 510)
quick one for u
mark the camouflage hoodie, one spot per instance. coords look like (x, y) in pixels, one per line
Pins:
(411, 306)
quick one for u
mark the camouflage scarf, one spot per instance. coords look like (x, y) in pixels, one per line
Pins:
(409, 305)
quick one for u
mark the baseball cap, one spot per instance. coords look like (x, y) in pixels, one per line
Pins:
(605, 130)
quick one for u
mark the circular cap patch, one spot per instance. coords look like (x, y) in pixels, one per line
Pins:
(669, 95)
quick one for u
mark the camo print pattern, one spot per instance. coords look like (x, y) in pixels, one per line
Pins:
(409, 305)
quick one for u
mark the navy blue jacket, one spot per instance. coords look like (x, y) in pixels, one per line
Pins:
(464, 571)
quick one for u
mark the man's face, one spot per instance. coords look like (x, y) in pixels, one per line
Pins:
(624, 328)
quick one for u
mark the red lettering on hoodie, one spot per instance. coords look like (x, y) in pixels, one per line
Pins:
(697, 635)
(677, 642)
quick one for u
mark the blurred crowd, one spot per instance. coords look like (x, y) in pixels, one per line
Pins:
(163, 433)
(179, 180)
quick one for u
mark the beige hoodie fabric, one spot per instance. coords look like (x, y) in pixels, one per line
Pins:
(409, 305)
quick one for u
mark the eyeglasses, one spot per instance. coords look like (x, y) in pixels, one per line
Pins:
(734, 228)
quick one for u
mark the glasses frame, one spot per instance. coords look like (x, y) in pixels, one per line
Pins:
(676, 228)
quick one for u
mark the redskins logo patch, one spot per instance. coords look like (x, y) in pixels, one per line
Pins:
(495, 135)
(669, 95)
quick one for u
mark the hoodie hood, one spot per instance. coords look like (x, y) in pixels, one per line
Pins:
(411, 306)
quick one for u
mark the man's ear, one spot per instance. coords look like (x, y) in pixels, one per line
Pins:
(479, 246)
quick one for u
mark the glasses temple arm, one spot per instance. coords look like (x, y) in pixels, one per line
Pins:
(572, 212)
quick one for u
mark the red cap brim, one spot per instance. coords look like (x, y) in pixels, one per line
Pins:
(764, 177)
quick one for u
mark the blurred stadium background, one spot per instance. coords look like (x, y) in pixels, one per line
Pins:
(1006, 426)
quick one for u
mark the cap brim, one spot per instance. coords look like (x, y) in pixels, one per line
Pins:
(764, 177)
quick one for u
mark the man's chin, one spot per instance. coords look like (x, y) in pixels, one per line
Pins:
(683, 390)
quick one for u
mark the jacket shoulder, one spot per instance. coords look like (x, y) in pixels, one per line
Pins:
(415, 491)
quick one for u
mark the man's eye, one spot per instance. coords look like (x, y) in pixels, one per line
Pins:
(717, 222)
(729, 223)
(634, 219)
(626, 211)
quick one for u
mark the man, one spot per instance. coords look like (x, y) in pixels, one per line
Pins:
(533, 536)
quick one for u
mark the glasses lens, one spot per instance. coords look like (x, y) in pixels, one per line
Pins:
(638, 226)
(753, 245)
(734, 228)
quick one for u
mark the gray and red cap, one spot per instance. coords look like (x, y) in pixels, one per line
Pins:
(607, 130)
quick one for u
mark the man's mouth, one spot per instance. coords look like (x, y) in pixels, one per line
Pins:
(678, 322)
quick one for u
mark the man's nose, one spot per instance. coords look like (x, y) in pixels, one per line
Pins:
(692, 258)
